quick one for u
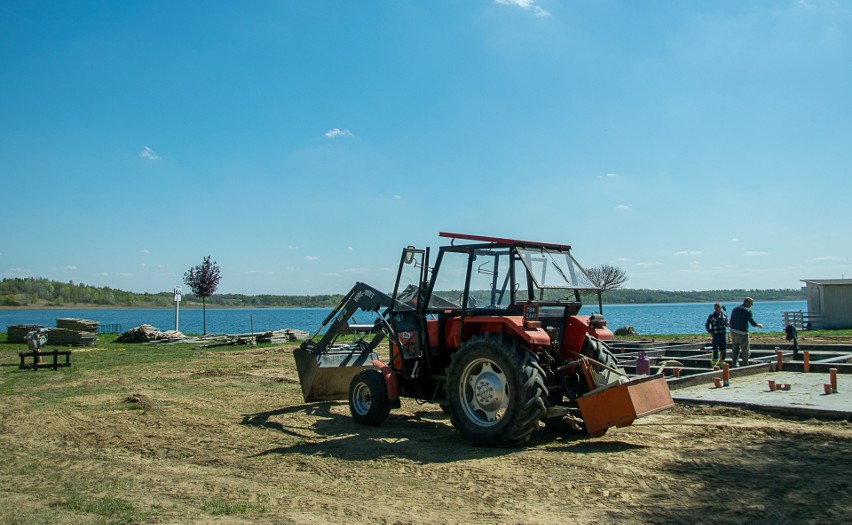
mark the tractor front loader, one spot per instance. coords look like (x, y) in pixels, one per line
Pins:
(492, 334)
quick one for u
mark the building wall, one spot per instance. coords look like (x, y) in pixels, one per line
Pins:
(836, 305)
(814, 295)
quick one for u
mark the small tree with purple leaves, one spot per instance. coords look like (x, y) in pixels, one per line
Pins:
(203, 280)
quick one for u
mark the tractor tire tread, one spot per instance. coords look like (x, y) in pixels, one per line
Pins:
(523, 415)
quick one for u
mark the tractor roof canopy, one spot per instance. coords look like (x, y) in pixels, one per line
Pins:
(550, 266)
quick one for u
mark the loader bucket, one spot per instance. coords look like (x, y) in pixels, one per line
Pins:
(618, 405)
(326, 377)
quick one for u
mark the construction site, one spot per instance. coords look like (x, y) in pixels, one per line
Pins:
(493, 401)
(169, 433)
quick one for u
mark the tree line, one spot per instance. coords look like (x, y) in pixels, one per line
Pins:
(32, 291)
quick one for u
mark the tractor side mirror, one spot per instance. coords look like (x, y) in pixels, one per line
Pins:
(409, 255)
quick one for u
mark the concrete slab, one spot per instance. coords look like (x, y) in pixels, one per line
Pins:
(806, 397)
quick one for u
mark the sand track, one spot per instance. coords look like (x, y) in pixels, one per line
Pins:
(227, 437)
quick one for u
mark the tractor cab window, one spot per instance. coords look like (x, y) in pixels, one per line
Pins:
(408, 286)
(490, 279)
(449, 284)
(554, 270)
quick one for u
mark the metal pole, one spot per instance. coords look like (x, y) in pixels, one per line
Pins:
(177, 307)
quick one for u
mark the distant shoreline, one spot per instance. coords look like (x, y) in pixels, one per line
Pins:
(143, 307)
(194, 306)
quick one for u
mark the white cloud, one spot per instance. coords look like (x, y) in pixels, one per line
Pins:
(755, 253)
(687, 252)
(70, 267)
(355, 270)
(125, 274)
(350, 249)
(735, 240)
(142, 265)
(337, 132)
(397, 197)
(145, 251)
(311, 258)
(649, 263)
(527, 5)
(18, 271)
(624, 259)
(386, 269)
(623, 207)
(148, 153)
(831, 258)
(162, 266)
(608, 175)
(291, 247)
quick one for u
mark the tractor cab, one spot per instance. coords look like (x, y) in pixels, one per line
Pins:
(482, 282)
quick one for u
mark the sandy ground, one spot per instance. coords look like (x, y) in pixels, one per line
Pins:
(228, 439)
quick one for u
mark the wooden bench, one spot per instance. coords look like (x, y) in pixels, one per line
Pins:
(39, 356)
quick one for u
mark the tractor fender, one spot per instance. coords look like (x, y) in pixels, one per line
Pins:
(390, 381)
(473, 325)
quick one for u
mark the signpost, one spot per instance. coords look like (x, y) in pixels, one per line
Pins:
(178, 293)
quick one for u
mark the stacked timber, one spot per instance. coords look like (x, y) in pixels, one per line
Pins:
(17, 333)
(146, 334)
(64, 336)
(287, 335)
(81, 325)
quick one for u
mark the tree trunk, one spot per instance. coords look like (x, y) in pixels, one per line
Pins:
(204, 314)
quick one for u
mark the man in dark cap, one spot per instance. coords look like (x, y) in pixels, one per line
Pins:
(741, 318)
(717, 326)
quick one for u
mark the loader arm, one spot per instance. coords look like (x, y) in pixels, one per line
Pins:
(364, 297)
(325, 369)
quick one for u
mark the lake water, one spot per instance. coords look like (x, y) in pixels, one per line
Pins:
(683, 318)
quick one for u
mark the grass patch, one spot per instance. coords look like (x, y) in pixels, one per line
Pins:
(116, 510)
(223, 507)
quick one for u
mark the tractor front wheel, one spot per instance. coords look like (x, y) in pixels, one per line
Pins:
(368, 398)
(496, 392)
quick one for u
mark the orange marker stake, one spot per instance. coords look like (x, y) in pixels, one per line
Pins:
(807, 356)
(833, 372)
(780, 360)
(726, 375)
(676, 372)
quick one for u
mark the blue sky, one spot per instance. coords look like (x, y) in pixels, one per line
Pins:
(698, 145)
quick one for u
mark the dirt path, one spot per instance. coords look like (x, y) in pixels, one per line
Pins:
(227, 438)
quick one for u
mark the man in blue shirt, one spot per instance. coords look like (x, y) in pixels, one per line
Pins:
(741, 317)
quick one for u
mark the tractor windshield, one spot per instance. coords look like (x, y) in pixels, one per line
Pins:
(555, 269)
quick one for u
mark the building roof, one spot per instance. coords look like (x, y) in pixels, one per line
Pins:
(828, 281)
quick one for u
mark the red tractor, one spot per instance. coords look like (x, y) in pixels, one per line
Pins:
(491, 333)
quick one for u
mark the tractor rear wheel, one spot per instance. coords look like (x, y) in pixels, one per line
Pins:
(496, 392)
(368, 398)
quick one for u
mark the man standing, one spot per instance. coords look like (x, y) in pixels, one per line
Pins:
(741, 317)
(717, 326)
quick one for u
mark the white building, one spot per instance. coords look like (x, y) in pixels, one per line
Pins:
(829, 303)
